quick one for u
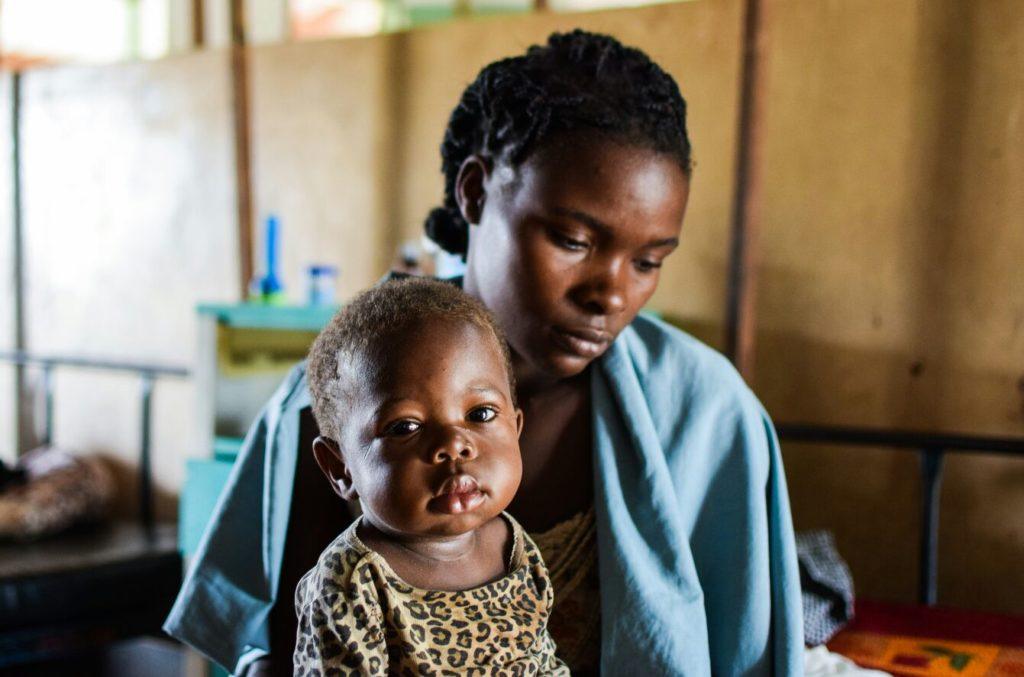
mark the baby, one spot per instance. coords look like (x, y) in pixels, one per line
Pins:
(412, 390)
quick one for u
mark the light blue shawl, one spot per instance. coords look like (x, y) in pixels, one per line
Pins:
(697, 559)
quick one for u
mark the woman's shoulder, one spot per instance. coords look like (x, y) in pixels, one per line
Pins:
(697, 403)
(669, 360)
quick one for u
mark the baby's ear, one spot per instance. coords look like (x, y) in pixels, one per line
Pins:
(328, 457)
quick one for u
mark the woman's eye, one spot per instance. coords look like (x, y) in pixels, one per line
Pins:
(570, 243)
(482, 415)
(647, 266)
(401, 428)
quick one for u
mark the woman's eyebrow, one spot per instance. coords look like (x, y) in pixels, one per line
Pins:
(583, 217)
(605, 229)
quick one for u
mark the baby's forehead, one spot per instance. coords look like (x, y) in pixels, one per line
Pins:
(404, 358)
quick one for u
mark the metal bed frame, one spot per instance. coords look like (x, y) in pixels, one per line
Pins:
(73, 593)
(931, 448)
(148, 374)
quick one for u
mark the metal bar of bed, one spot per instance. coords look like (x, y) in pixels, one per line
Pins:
(931, 447)
(148, 374)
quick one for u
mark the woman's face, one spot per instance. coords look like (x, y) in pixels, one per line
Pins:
(567, 247)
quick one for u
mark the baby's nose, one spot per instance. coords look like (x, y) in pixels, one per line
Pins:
(454, 447)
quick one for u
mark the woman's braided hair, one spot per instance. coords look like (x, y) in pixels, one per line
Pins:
(578, 81)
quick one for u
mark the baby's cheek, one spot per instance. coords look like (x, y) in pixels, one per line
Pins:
(506, 475)
(402, 495)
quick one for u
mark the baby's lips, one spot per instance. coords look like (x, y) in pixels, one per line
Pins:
(462, 483)
(458, 494)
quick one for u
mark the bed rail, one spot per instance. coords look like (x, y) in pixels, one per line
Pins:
(931, 448)
(148, 374)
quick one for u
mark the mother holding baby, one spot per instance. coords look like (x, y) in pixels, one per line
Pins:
(652, 479)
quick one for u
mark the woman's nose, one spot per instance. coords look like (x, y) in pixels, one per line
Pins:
(454, 446)
(603, 291)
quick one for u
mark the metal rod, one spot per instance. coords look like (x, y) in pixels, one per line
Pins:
(145, 472)
(18, 252)
(741, 302)
(23, 358)
(148, 373)
(900, 439)
(48, 404)
(931, 484)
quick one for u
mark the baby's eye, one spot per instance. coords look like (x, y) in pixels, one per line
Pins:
(401, 428)
(482, 414)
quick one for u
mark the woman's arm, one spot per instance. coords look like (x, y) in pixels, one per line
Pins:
(223, 607)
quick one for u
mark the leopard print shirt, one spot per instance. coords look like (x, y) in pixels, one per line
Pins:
(357, 617)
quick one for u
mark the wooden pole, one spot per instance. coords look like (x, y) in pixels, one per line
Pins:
(744, 260)
(198, 23)
(243, 167)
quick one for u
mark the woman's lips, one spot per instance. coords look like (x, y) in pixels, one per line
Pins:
(585, 342)
(458, 494)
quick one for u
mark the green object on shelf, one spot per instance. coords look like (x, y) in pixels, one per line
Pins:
(204, 481)
(262, 316)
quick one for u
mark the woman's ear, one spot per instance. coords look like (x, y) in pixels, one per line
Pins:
(519, 422)
(470, 189)
(328, 457)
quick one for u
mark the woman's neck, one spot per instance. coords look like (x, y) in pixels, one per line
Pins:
(537, 385)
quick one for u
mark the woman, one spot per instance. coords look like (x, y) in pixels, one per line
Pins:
(652, 479)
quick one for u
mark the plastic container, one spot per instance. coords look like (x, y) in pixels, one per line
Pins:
(321, 282)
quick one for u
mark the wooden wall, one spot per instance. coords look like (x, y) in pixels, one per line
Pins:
(323, 140)
(893, 289)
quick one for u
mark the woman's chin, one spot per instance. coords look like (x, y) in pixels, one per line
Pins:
(560, 365)
(549, 363)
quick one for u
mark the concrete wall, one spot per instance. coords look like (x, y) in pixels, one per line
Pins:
(129, 221)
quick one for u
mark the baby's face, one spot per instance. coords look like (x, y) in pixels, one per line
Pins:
(431, 439)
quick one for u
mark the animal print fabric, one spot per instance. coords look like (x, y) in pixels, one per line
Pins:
(357, 617)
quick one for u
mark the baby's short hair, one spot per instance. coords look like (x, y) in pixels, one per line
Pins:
(370, 322)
